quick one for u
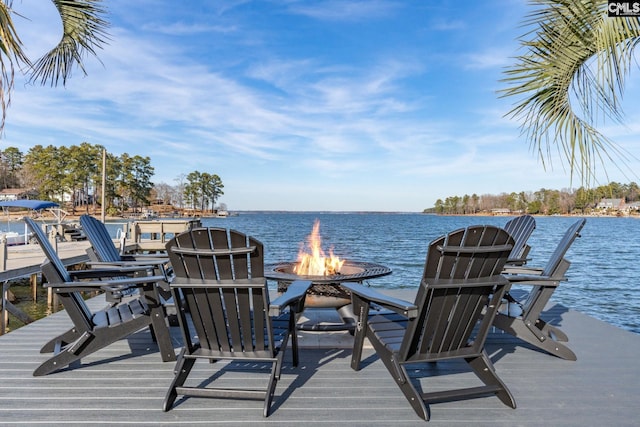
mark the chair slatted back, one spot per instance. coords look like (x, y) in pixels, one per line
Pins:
(520, 228)
(556, 267)
(458, 295)
(55, 272)
(100, 240)
(221, 276)
(48, 250)
(572, 233)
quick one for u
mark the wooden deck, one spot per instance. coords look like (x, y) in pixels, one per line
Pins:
(24, 260)
(126, 382)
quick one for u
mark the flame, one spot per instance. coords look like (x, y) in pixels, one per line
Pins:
(315, 262)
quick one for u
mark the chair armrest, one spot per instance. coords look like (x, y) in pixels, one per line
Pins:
(161, 264)
(129, 263)
(517, 262)
(107, 285)
(139, 257)
(295, 293)
(406, 308)
(520, 269)
(525, 279)
(95, 273)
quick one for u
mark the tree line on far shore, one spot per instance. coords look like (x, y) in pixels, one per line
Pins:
(544, 201)
(75, 173)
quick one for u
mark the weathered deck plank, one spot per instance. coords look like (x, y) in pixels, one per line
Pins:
(125, 383)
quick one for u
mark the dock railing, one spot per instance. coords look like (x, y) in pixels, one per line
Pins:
(137, 236)
(28, 265)
(152, 235)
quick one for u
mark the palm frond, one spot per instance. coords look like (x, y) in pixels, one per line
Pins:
(83, 31)
(573, 52)
(11, 55)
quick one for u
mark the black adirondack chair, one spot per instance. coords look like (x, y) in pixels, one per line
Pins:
(220, 274)
(520, 228)
(92, 331)
(520, 315)
(453, 311)
(102, 245)
(103, 253)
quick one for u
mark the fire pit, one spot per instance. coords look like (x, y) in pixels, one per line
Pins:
(325, 291)
(326, 274)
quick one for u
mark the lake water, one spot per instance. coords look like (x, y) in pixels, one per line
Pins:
(605, 260)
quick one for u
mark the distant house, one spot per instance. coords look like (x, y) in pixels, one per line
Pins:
(500, 211)
(634, 206)
(9, 194)
(612, 204)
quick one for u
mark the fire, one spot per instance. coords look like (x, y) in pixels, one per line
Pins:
(315, 262)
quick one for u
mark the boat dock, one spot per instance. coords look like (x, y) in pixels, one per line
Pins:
(125, 383)
(24, 260)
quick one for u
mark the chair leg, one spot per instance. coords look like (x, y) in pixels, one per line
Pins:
(551, 331)
(533, 336)
(158, 327)
(89, 342)
(182, 370)
(553, 347)
(294, 339)
(358, 344)
(60, 341)
(271, 387)
(361, 308)
(401, 377)
(484, 369)
(76, 351)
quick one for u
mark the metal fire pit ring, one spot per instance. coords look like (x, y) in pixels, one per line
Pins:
(325, 291)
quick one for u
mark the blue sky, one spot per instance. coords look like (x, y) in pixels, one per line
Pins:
(332, 105)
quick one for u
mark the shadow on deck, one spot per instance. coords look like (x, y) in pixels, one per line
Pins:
(125, 383)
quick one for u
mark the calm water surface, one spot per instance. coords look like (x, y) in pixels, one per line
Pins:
(605, 261)
(603, 277)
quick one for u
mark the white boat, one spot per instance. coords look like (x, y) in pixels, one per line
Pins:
(148, 214)
(13, 238)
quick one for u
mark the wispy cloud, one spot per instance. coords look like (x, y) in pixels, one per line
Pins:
(278, 104)
(487, 59)
(184, 28)
(344, 10)
(441, 24)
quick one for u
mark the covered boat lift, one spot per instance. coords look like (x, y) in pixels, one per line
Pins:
(34, 205)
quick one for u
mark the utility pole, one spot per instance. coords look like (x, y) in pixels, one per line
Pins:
(104, 184)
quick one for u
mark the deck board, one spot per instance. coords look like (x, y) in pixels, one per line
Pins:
(125, 384)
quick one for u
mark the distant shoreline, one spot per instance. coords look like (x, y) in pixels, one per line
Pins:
(16, 216)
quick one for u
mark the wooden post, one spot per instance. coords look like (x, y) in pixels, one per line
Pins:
(133, 227)
(5, 313)
(104, 185)
(34, 286)
(50, 298)
(52, 237)
(3, 254)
